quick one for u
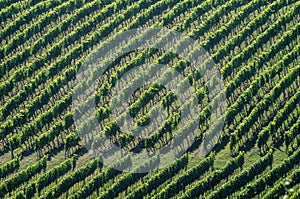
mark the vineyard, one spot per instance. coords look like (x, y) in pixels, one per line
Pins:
(255, 47)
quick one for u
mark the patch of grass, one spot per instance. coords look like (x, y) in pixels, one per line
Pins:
(222, 157)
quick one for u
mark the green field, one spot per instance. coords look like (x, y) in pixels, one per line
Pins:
(255, 47)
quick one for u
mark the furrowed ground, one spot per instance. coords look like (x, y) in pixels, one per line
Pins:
(255, 46)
